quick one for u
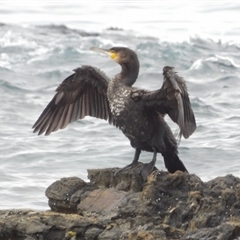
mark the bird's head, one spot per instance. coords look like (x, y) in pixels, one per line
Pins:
(128, 60)
(121, 55)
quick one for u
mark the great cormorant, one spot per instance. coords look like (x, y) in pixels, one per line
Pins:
(138, 113)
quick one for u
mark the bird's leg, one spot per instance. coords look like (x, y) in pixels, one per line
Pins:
(134, 162)
(148, 167)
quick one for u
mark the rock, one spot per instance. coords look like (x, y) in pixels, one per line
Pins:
(93, 233)
(222, 232)
(64, 195)
(166, 206)
(102, 201)
(127, 180)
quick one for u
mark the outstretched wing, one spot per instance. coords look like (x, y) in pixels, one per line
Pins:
(172, 99)
(84, 93)
(181, 111)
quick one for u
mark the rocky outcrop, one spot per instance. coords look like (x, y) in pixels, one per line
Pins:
(166, 206)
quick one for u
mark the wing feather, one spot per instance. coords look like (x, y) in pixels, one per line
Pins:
(84, 93)
(172, 99)
(181, 111)
(74, 111)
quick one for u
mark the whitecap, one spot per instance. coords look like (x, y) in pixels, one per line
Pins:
(12, 39)
(225, 61)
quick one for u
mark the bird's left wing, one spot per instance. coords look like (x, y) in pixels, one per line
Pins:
(84, 93)
(172, 99)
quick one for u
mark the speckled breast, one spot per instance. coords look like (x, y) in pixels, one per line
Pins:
(118, 97)
(128, 115)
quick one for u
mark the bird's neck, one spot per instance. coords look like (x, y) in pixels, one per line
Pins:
(129, 73)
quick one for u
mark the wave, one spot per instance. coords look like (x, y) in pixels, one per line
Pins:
(213, 63)
(7, 86)
(203, 107)
(63, 29)
(206, 42)
(224, 61)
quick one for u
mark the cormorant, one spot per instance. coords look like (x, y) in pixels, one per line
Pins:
(138, 113)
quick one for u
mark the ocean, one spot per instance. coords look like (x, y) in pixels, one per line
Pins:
(41, 42)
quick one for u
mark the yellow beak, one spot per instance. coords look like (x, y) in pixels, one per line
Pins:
(110, 53)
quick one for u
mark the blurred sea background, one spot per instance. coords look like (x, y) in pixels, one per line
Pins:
(42, 41)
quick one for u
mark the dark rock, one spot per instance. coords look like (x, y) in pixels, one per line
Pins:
(225, 231)
(166, 206)
(93, 233)
(113, 234)
(64, 195)
(114, 29)
(127, 180)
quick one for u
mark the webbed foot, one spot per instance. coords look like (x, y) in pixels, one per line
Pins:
(147, 168)
(128, 167)
(133, 164)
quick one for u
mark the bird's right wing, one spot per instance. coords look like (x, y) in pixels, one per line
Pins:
(175, 88)
(84, 93)
(172, 99)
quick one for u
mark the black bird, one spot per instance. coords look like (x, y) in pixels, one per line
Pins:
(138, 113)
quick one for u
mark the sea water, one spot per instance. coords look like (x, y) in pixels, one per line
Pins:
(40, 44)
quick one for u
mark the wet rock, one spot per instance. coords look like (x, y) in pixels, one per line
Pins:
(114, 29)
(166, 206)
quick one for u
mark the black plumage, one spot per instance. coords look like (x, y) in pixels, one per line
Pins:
(138, 113)
(83, 93)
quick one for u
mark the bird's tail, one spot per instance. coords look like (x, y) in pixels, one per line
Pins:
(167, 146)
(172, 162)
